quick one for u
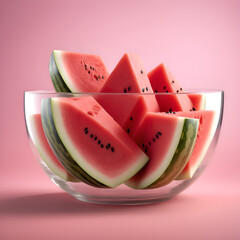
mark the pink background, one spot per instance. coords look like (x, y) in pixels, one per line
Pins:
(198, 40)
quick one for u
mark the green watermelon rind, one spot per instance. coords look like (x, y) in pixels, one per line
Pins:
(59, 149)
(183, 175)
(182, 154)
(58, 82)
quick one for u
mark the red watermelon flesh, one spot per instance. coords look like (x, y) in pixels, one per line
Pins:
(128, 76)
(198, 101)
(206, 130)
(80, 72)
(159, 136)
(136, 117)
(163, 81)
(45, 151)
(95, 141)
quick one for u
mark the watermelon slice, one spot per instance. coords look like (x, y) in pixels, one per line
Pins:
(128, 76)
(45, 151)
(163, 81)
(89, 143)
(208, 121)
(76, 72)
(168, 141)
(198, 101)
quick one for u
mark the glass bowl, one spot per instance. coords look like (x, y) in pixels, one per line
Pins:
(122, 194)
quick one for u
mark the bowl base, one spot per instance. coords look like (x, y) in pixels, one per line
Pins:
(122, 201)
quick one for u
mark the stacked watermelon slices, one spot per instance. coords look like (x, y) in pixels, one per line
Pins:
(133, 135)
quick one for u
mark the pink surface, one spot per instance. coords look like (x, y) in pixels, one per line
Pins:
(51, 214)
(199, 42)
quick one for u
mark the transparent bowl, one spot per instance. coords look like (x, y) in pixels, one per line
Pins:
(213, 100)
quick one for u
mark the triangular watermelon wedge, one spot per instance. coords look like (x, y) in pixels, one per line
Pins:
(89, 143)
(128, 77)
(163, 81)
(168, 141)
(77, 72)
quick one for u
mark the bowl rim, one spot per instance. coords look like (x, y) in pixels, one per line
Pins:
(186, 91)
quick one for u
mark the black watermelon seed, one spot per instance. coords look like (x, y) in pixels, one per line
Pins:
(93, 68)
(102, 146)
(141, 71)
(102, 77)
(159, 133)
(154, 139)
(166, 91)
(107, 147)
(131, 118)
(172, 81)
(145, 150)
(112, 149)
(164, 87)
(146, 88)
(90, 67)
(95, 138)
(128, 130)
(174, 112)
(156, 91)
(86, 132)
(99, 141)
(89, 72)
(149, 143)
(143, 90)
(170, 110)
(156, 136)
(177, 91)
(194, 109)
(129, 88)
(190, 110)
(125, 90)
(143, 145)
(99, 77)
(86, 129)
(85, 66)
(181, 89)
(91, 135)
